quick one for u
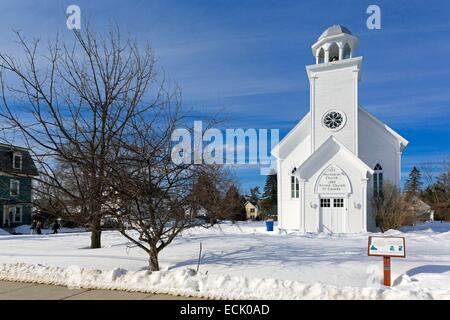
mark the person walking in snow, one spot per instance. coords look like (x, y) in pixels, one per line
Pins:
(33, 227)
(55, 227)
(39, 227)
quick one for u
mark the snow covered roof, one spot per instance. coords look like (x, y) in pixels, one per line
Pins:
(418, 205)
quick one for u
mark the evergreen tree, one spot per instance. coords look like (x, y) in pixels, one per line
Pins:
(269, 202)
(206, 196)
(254, 195)
(441, 203)
(234, 205)
(414, 183)
(437, 193)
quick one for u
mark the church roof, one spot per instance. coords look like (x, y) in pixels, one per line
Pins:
(297, 134)
(302, 131)
(254, 205)
(328, 149)
(394, 134)
(334, 30)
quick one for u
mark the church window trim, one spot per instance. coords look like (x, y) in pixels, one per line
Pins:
(325, 202)
(346, 52)
(333, 50)
(338, 202)
(334, 120)
(377, 180)
(321, 56)
(295, 185)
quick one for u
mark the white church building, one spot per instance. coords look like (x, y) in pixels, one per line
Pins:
(332, 162)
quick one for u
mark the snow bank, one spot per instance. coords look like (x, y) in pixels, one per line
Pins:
(26, 229)
(185, 282)
(4, 233)
(23, 229)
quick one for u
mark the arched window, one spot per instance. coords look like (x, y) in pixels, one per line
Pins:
(295, 186)
(333, 52)
(377, 180)
(346, 53)
(321, 56)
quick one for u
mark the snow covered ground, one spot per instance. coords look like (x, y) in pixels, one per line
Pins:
(241, 261)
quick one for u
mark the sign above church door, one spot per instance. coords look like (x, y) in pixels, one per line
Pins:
(333, 180)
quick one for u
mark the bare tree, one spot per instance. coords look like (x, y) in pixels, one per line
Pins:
(209, 191)
(391, 211)
(437, 193)
(71, 104)
(154, 194)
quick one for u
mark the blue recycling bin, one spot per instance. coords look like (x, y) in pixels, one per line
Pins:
(269, 225)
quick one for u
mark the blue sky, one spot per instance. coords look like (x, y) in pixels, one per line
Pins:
(248, 58)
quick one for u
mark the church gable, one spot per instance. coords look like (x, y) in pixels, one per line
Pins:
(329, 150)
(293, 139)
(300, 133)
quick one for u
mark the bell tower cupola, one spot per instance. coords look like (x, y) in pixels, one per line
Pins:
(334, 82)
(334, 44)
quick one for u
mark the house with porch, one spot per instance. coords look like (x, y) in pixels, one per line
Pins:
(17, 170)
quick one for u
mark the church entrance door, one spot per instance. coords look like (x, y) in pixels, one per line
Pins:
(332, 215)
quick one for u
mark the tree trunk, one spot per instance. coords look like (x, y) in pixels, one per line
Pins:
(96, 234)
(153, 261)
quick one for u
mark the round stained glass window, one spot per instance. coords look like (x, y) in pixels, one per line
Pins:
(333, 120)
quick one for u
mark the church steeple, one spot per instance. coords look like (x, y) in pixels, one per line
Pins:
(334, 88)
(334, 44)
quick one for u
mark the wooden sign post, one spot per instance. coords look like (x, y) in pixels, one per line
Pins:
(387, 271)
(386, 247)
